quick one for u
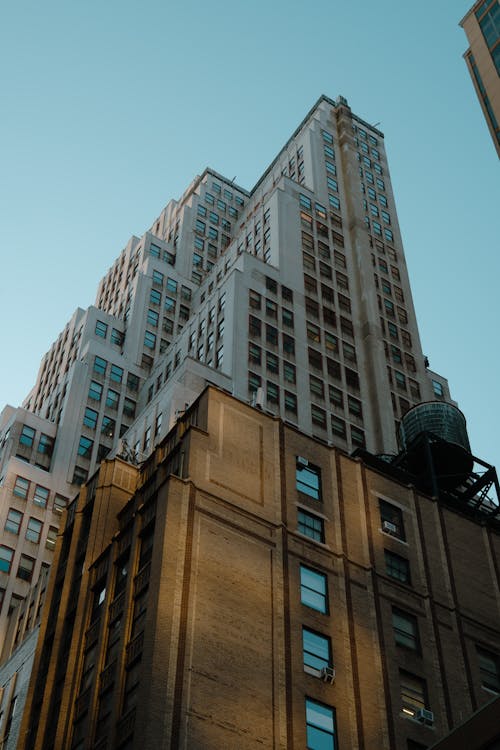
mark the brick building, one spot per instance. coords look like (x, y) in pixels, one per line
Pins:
(251, 586)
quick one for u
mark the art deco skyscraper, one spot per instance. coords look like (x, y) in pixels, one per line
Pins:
(294, 296)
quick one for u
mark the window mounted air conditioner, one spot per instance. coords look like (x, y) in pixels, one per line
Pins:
(328, 674)
(390, 527)
(424, 716)
(302, 462)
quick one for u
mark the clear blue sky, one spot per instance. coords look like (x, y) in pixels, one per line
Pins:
(110, 108)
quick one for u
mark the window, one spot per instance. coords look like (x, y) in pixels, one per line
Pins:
(489, 668)
(101, 329)
(308, 478)
(34, 530)
(95, 391)
(149, 340)
(290, 402)
(318, 416)
(90, 418)
(405, 628)
(397, 567)
(254, 299)
(271, 335)
(26, 567)
(155, 297)
(311, 526)
(272, 362)
(6, 555)
(41, 496)
(438, 389)
(391, 518)
(254, 353)
(60, 503)
(254, 326)
(313, 589)
(316, 650)
(338, 426)
(79, 475)
(316, 387)
(289, 372)
(112, 399)
(13, 521)
(108, 427)
(45, 445)
(21, 487)
(132, 382)
(50, 542)
(129, 407)
(27, 436)
(116, 374)
(358, 436)
(117, 337)
(100, 365)
(288, 344)
(320, 726)
(272, 393)
(413, 693)
(85, 447)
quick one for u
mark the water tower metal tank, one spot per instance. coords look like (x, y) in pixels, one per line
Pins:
(440, 428)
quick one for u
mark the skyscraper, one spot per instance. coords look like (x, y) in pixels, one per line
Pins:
(293, 296)
(482, 26)
(235, 507)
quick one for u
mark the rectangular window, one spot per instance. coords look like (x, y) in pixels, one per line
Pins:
(271, 335)
(272, 393)
(405, 628)
(308, 478)
(413, 693)
(320, 726)
(95, 391)
(85, 447)
(27, 436)
(391, 518)
(26, 568)
(45, 445)
(90, 418)
(41, 496)
(101, 329)
(311, 526)
(313, 589)
(34, 530)
(6, 555)
(316, 650)
(397, 567)
(50, 542)
(60, 503)
(489, 668)
(290, 402)
(316, 387)
(21, 487)
(100, 365)
(13, 521)
(108, 427)
(112, 399)
(129, 407)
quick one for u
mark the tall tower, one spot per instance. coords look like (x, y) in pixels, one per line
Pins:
(294, 296)
(482, 26)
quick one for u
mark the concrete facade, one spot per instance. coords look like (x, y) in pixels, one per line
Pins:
(243, 590)
(482, 26)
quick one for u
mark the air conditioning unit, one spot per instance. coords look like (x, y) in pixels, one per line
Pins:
(302, 462)
(424, 716)
(328, 674)
(390, 527)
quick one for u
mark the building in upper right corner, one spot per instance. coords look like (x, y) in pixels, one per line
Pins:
(482, 26)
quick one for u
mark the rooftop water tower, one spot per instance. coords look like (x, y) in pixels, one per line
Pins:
(435, 433)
